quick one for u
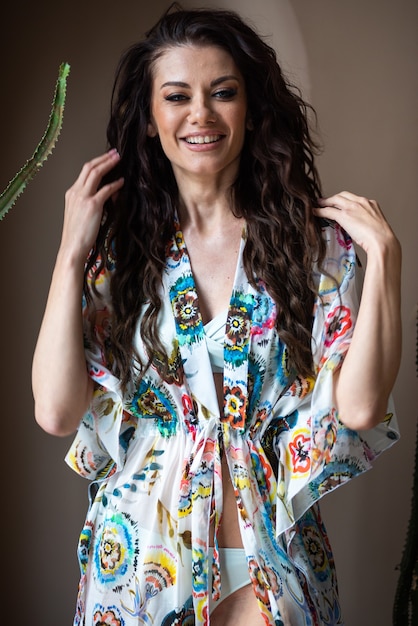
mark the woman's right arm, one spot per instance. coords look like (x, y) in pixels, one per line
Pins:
(62, 388)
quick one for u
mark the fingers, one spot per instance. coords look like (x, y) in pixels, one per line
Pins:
(361, 217)
(84, 203)
(85, 189)
(347, 200)
(349, 204)
(107, 191)
(93, 171)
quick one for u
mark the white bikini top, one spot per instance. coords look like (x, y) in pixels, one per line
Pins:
(215, 336)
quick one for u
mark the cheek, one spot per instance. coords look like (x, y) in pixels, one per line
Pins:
(241, 129)
(168, 143)
(238, 120)
(167, 147)
(166, 123)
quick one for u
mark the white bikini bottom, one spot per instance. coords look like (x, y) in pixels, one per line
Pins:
(234, 572)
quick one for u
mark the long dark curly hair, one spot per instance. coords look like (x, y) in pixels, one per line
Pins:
(274, 191)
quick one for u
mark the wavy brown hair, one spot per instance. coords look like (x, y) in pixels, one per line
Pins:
(274, 192)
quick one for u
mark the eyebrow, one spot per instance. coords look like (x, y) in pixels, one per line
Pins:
(214, 83)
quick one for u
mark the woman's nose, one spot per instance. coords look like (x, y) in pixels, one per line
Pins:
(201, 112)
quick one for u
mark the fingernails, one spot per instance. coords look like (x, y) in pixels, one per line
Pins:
(113, 152)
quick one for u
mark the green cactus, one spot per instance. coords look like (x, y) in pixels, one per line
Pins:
(18, 184)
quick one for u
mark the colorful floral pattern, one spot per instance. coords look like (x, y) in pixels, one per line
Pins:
(107, 617)
(235, 405)
(238, 326)
(338, 324)
(186, 310)
(115, 551)
(152, 401)
(154, 455)
(300, 448)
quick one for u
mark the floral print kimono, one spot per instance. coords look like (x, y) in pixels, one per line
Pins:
(154, 456)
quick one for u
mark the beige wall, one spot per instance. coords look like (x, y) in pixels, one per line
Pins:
(363, 68)
(356, 62)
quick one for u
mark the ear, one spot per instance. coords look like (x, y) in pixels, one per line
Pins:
(151, 130)
(249, 125)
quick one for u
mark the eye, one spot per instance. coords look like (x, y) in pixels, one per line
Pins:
(175, 97)
(227, 93)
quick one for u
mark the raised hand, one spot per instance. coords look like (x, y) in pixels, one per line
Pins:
(84, 203)
(371, 365)
(363, 219)
(59, 360)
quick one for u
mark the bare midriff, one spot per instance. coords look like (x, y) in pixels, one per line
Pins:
(229, 534)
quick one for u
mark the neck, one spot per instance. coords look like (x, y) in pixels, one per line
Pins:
(205, 200)
(205, 206)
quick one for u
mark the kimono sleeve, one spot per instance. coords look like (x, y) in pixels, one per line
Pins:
(319, 453)
(100, 444)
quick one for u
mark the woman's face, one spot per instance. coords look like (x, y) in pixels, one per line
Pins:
(199, 111)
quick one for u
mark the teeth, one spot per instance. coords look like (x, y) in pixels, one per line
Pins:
(205, 139)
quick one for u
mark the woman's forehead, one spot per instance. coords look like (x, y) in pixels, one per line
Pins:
(188, 58)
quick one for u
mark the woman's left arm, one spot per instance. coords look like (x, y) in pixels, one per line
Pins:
(370, 367)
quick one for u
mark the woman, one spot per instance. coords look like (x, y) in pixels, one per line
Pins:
(231, 377)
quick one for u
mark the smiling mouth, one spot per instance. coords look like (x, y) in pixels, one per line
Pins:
(203, 139)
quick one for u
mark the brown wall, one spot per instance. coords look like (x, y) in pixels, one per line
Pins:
(357, 63)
